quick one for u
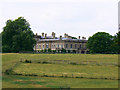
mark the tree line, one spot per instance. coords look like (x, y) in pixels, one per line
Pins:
(17, 36)
(102, 42)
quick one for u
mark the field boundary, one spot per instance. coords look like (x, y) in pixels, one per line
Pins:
(67, 62)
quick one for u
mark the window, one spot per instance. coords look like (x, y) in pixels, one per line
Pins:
(75, 46)
(80, 45)
(39, 46)
(43, 46)
(66, 46)
(71, 46)
(61, 46)
(46, 46)
(58, 45)
(36, 46)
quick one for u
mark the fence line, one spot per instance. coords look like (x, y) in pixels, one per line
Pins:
(67, 62)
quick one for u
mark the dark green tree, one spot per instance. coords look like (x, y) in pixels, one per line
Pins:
(17, 36)
(116, 44)
(63, 50)
(100, 42)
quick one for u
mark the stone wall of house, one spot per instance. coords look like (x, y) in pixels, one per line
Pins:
(55, 44)
(58, 45)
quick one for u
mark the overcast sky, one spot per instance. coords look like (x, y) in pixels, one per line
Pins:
(74, 17)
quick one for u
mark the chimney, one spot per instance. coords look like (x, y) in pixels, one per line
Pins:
(83, 38)
(69, 37)
(60, 37)
(53, 34)
(42, 34)
(36, 34)
(78, 37)
(45, 35)
(65, 35)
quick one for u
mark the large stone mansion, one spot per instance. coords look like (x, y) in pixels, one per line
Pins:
(67, 43)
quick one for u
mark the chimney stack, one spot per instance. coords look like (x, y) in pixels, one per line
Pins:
(45, 35)
(69, 37)
(83, 38)
(65, 35)
(60, 37)
(53, 34)
(78, 37)
(42, 34)
(36, 34)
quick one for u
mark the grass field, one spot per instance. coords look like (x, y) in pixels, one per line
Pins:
(107, 69)
(86, 71)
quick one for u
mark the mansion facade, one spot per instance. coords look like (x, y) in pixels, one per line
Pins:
(68, 43)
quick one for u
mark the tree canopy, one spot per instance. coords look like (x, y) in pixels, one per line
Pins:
(116, 44)
(100, 42)
(17, 36)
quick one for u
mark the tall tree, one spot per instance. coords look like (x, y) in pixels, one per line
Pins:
(116, 44)
(17, 36)
(100, 42)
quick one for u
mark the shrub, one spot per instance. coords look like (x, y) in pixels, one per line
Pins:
(73, 63)
(49, 50)
(27, 61)
(44, 62)
(54, 51)
(45, 50)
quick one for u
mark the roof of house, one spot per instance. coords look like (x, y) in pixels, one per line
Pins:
(50, 38)
(63, 39)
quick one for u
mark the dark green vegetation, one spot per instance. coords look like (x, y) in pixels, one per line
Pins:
(103, 42)
(55, 51)
(102, 67)
(17, 36)
(116, 43)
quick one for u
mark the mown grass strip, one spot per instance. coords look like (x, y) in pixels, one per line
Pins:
(67, 71)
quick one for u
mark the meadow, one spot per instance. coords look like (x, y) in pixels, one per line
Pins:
(81, 71)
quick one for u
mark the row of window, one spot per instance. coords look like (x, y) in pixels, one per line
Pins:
(60, 46)
(71, 46)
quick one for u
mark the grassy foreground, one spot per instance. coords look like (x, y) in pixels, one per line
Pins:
(15, 81)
